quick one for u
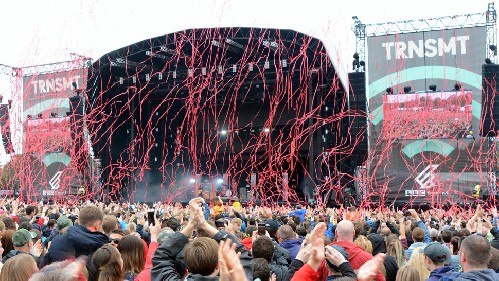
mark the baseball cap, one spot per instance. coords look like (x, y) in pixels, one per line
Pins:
(342, 251)
(271, 225)
(63, 222)
(436, 252)
(21, 237)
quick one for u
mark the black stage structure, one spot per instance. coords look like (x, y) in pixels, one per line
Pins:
(259, 112)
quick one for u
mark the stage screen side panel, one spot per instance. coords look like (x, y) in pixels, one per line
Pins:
(423, 142)
(47, 143)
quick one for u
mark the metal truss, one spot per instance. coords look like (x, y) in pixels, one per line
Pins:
(77, 63)
(359, 29)
(440, 23)
(486, 19)
(491, 48)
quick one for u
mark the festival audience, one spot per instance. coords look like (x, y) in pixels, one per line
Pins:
(453, 244)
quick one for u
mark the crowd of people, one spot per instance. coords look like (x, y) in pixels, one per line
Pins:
(217, 241)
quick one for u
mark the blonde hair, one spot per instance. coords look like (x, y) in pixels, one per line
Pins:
(364, 243)
(408, 273)
(132, 227)
(18, 268)
(395, 249)
(417, 261)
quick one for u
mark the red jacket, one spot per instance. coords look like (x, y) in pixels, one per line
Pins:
(145, 275)
(248, 243)
(306, 273)
(357, 257)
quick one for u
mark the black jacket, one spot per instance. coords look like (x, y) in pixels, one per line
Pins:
(375, 226)
(279, 270)
(390, 267)
(345, 269)
(78, 241)
(293, 268)
(281, 255)
(163, 261)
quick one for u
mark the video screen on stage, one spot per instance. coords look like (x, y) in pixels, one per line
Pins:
(48, 135)
(428, 115)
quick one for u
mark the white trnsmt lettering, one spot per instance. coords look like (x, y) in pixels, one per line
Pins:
(428, 48)
(58, 84)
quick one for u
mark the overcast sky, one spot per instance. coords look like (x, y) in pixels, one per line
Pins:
(35, 32)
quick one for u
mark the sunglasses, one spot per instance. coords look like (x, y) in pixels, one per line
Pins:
(115, 241)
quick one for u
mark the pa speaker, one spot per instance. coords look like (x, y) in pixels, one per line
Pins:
(489, 121)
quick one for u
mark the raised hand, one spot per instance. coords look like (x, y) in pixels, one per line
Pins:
(334, 256)
(371, 268)
(317, 253)
(229, 263)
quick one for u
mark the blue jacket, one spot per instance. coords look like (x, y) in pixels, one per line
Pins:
(408, 252)
(293, 246)
(437, 273)
(478, 275)
(300, 213)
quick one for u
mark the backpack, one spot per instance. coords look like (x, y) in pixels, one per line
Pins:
(449, 276)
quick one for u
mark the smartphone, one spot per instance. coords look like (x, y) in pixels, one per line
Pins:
(219, 223)
(150, 216)
(261, 229)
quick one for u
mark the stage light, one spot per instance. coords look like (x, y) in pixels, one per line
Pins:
(53, 114)
(266, 65)
(39, 116)
(234, 68)
(355, 64)
(151, 54)
(203, 71)
(219, 181)
(192, 180)
(457, 87)
(266, 130)
(488, 61)
(284, 63)
(250, 66)
(29, 117)
(356, 56)
(493, 48)
(223, 132)
(433, 87)
(220, 69)
(174, 74)
(121, 80)
(389, 91)
(147, 77)
(407, 89)
(160, 75)
(134, 79)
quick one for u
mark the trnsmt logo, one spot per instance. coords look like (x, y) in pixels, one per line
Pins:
(427, 48)
(424, 180)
